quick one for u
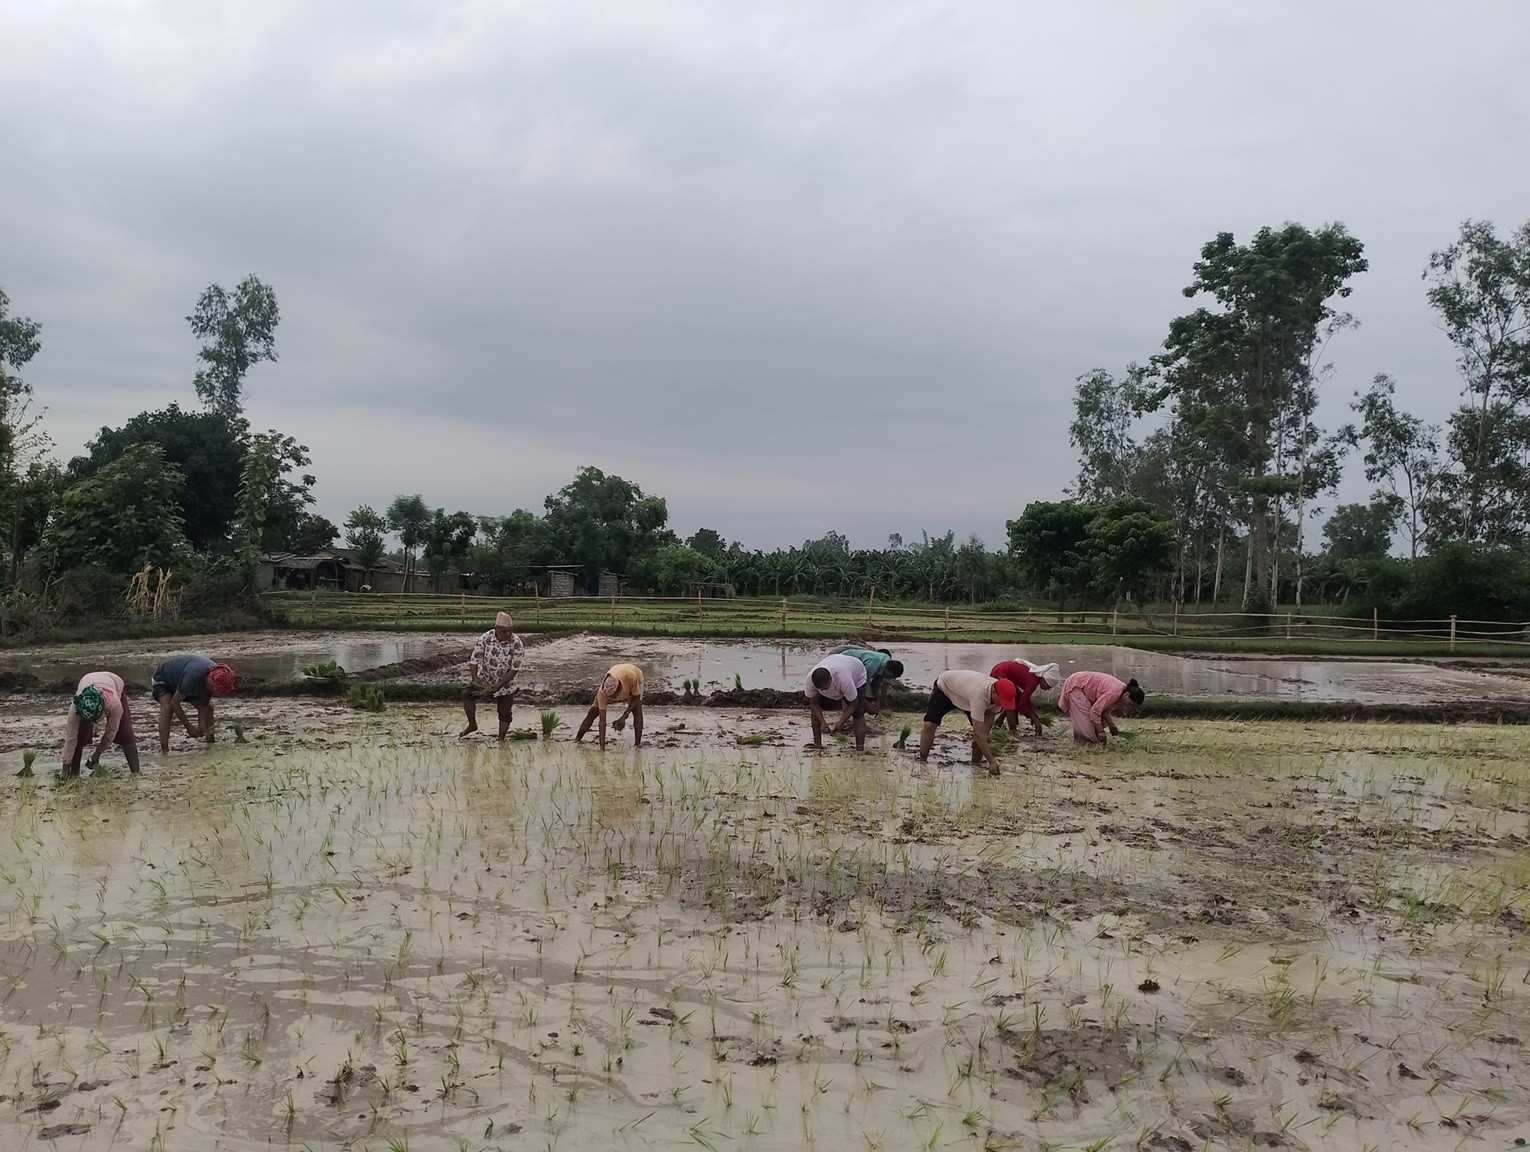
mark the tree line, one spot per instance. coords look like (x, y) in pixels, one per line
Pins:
(1201, 472)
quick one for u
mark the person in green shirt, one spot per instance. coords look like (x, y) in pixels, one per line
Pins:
(881, 670)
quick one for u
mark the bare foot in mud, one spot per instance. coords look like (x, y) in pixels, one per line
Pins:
(468, 731)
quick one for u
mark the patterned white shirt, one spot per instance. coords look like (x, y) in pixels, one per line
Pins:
(493, 657)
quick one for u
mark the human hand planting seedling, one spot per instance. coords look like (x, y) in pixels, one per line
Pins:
(623, 682)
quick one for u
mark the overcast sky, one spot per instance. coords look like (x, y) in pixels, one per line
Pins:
(793, 266)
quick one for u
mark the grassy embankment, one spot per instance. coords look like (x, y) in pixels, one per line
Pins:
(1311, 632)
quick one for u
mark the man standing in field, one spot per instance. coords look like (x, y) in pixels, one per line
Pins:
(981, 697)
(881, 669)
(492, 669)
(839, 679)
(621, 682)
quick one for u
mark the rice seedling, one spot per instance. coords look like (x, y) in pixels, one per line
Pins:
(366, 698)
(550, 722)
(28, 758)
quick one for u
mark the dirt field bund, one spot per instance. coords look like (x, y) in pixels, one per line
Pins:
(558, 662)
(359, 932)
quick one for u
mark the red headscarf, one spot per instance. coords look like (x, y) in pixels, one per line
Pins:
(221, 680)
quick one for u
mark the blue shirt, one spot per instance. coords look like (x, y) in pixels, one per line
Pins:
(184, 674)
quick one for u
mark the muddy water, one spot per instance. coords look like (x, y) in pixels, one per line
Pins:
(786, 666)
(266, 655)
(1219, 936)
(669, 662)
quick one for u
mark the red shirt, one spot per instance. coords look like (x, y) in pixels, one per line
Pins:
(1024, 680)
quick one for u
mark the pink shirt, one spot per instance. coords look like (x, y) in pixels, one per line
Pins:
(847, 675)
(1098, 691)
(110, 685)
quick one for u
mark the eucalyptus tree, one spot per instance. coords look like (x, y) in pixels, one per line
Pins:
(1243, 374)
(238, 331)
(1479, 287)
(1402, 457)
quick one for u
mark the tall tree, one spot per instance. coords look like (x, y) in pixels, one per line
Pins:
(26, 481)
(1104, 409)
(410, 519)
(1247, 367)
(364, 530)
(273, 509)
(237, 330)
(1401, 457)
(1480, 288)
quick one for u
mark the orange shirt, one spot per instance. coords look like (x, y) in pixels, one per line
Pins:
(629, 676)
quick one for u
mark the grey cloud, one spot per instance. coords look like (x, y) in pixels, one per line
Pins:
(738, 254)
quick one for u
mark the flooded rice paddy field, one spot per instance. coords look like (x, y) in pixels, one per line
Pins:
(367, 935)
(556, 662)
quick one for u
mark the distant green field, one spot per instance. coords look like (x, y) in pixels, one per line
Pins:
(1281, 633)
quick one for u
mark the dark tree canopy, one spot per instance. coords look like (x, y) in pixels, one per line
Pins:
(708, 541)
(1361, 531)
(205, 448)
(605, 523)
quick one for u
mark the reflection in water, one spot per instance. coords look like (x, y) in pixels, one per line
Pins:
(785, 666)
(136, 666)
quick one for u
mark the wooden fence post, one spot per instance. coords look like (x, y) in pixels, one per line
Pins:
(462, 614)
(1114, 613)
(1288, 625)
(869, 604)
(1452, 632)
(1176, 617)
(698, 601)
(613, 611)
(948, 623)
(1375, 623)
(783, 615)
(536, 604)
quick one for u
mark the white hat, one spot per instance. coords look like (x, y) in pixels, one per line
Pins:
(1051, 673)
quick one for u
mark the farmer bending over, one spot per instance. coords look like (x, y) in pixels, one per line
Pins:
(492, 669)
(881, 670)
(839, 679)
(99, 696)
(194, 680)
(981, 698)
(1090, 698)
(622, 682)
(1027, 678)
